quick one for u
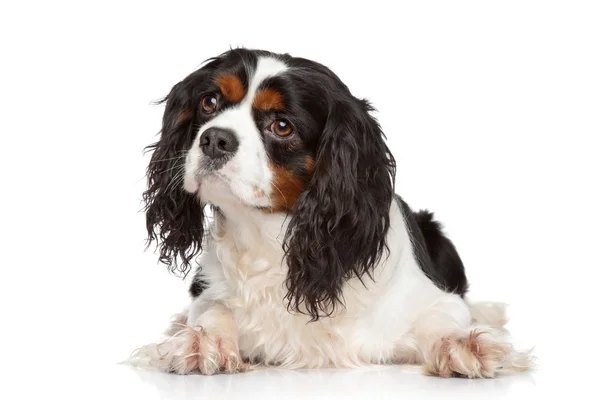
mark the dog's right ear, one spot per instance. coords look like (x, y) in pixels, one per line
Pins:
(340, 222)
(174, 217)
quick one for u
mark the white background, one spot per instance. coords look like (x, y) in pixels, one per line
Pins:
(491, 109)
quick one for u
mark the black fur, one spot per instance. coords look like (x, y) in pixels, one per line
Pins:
(340, 221)
(198, 284)
(435, 253)
(174, 218)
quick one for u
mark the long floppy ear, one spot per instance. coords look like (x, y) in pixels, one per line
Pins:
(339, 226)
(174, 218)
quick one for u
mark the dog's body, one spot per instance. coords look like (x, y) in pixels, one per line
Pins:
(310, 260)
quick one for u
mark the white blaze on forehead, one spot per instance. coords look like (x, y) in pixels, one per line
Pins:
(265, 67)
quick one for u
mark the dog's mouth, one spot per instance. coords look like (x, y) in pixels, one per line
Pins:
(221, 184)
(217, 188)
(206, 172)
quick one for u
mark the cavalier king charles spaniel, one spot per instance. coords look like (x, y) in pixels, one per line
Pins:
(274, 183)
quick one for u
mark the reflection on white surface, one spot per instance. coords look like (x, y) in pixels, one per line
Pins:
(381, 382)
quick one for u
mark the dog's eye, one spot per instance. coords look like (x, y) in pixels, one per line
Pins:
(281, 127)
(209, 104)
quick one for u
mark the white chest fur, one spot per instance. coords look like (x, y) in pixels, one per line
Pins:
(245, 270)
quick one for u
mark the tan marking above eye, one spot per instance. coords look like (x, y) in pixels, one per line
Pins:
(268, 99)
(232, 87)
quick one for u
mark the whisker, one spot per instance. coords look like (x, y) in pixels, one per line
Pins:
(176, 180)
(281, 193)
(171, 169)
(183, 154)
(177, 183)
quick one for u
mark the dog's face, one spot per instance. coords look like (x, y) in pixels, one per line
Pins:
(276, 134)
(258, 129)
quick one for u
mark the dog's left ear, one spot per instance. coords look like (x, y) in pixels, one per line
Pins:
(340, 222)
(174, 218)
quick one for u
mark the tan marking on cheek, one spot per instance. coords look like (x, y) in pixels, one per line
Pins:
(232, 87)
(268, 99)
(287, 186)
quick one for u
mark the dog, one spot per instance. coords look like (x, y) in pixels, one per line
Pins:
(275, 184)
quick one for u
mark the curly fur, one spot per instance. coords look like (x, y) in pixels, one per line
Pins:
(345, 210)
(174, 218)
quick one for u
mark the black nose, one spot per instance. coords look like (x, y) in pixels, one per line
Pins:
(218, 142)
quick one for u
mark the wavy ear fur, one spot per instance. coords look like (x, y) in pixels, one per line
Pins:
(174, 218)
(339, 226)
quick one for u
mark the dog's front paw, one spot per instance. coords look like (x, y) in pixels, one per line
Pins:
(196, 349)
(192, 350)
(475, 355)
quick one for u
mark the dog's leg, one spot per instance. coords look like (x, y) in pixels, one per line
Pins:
(488, 313)
(451, 346)
(407, 351)
(203, 339)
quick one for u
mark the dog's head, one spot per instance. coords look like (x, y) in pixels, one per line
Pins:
(277, 134)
